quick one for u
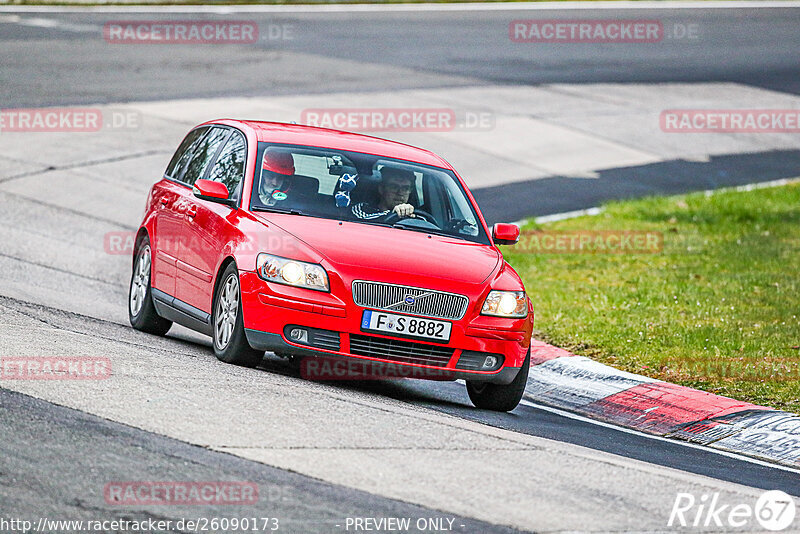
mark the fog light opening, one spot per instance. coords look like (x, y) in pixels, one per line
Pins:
(490, 362)
(299, 335)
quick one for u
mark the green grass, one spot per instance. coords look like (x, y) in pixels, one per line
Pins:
(718, 309)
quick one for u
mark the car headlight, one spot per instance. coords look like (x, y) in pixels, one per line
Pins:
(292, 272)
(506, 304)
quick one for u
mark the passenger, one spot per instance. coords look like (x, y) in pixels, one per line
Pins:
(275, 170)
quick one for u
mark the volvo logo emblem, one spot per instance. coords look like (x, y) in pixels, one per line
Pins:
(408, 300)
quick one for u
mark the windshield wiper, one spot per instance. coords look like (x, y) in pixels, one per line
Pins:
(291, 211)
(425, 230)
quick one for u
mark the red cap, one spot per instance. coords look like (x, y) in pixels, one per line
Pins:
(278, 161)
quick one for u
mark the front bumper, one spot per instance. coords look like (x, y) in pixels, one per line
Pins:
(334, 327)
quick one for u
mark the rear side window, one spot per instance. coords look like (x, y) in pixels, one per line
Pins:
(203, 153)
(229, 167)
(184, 153)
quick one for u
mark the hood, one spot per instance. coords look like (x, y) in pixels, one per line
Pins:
(379, 248)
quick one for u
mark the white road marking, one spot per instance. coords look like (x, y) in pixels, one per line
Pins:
(708, 192)
(37, 22)
(689, 444)
(561, 216)
(751, 187)
(40, 23)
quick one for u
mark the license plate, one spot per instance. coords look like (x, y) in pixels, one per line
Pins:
(405, 326)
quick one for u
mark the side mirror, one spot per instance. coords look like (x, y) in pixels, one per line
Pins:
(211, 191)
(505, 234)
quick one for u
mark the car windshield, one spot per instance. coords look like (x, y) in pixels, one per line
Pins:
(342, 185)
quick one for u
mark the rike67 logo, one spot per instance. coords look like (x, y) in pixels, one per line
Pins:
(774, 511)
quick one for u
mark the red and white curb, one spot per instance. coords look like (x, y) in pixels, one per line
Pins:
(577, 384)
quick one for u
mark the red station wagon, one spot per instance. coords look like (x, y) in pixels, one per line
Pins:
(309, 242)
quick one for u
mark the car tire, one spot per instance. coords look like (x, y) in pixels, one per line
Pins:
(141, 310)
(227, 323)
(499, 397)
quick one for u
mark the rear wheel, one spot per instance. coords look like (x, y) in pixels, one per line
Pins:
(230, 341)
(141, 310)
(499, 397)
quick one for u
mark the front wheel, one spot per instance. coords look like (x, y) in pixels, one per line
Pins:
(500, 397)
(141, 310)
(230, 341)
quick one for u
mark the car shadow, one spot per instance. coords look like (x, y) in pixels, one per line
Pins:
(446, 396)
(428, 392)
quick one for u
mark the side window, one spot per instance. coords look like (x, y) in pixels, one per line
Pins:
(202, 154)
(229, 167)
(184, 152)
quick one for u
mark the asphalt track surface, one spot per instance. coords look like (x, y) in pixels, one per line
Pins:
(319, 454)
(59, 59)
(91, 451)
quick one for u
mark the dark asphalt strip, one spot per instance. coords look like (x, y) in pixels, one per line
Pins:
(56, 461)
(545, 196)
(758, 47)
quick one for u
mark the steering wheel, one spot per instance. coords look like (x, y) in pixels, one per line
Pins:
(418, 214)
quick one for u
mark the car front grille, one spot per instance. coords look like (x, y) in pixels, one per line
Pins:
(400, 351)
(405, 299)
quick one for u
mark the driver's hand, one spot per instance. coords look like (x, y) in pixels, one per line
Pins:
(404, 210)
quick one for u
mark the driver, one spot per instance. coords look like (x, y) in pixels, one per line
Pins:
(394, 190)
(274, 185)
